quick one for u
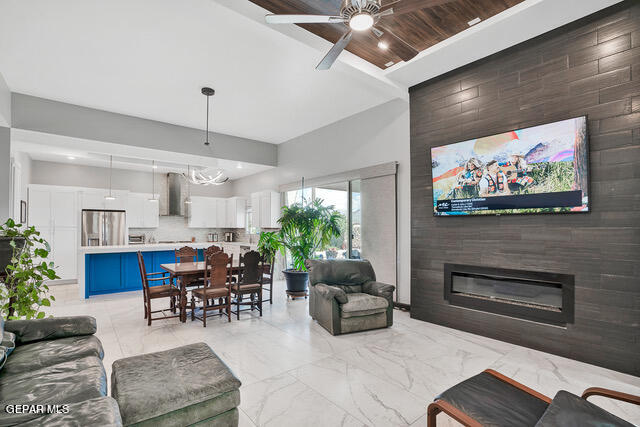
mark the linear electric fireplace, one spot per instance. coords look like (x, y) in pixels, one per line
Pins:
(538, 296)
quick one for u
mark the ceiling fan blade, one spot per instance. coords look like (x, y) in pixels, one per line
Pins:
(401, 7)
(335, 51)
(398, 46)
(385, 12)
(303, 19)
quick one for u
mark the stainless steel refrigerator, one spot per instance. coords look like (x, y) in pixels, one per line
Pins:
(103, 228)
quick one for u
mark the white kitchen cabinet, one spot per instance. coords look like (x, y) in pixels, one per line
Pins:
(95, 199)
(236, 212)
(265, 209)
(255, 210)
(135, 211)
(221, 213)
(142, 212)
(198, 216)
(151, 213)
(39, 207)
(65, 252)
(54, 213)
(92, 199)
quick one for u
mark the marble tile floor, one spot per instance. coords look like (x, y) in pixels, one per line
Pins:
(294, 373)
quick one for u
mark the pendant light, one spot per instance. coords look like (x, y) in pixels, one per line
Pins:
(110, 196)
(208, 92)
(188, 199)
(153, 182)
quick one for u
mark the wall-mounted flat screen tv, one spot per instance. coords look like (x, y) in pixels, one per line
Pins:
(540, 169)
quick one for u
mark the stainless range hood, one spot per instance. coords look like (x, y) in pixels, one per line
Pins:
(174, 202)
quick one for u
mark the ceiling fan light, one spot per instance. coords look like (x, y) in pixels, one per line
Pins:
(361, 21)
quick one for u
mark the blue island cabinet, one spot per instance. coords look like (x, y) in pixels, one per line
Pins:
(118, 272)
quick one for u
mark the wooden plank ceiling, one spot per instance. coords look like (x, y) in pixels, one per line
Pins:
(422, 28)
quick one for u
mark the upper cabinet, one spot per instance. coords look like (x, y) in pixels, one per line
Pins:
(91, 198)
(52, 206)
(265, 209)
(212, 212)
(236, 212)
(142, 212)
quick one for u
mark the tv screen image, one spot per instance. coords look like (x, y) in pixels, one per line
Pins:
(540, 169)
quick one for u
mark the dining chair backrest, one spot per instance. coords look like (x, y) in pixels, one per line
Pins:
(267, 277)
(213, 249)
(217, 270)
(186, 254)
(251, 264)
(143, 272)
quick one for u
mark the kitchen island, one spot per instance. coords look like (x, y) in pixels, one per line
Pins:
(113, 269)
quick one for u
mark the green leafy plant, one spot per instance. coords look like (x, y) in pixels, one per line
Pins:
(24, 291)
(268, 245)
(305, 229)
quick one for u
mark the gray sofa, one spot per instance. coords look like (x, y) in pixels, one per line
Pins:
(54, 361)
(345, 297)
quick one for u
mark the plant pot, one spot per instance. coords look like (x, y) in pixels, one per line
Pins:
(6, 251)
(296, 280)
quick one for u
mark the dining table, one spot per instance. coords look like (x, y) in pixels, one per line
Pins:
(187, 272)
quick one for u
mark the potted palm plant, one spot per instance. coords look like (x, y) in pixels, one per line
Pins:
(305, 229)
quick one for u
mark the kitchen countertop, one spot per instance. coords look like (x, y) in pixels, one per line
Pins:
(156, 247)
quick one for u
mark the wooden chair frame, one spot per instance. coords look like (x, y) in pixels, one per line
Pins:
(210, 304)
(443, 406)
(173, 292)
(239, 293)
(267, 284)
(188, 254)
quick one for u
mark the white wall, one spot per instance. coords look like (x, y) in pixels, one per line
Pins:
(5, 143)
(5, 103)
(23, 161)
(378, 135)
(94, 177)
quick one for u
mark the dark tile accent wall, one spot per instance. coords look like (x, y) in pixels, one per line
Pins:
(591, 67)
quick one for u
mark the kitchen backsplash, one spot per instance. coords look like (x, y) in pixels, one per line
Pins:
(174, 228)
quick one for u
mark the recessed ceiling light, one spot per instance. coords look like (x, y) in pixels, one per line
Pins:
(239, 166)
(382, 45)
(71, 158)
(155, 166)
(474, 22)
(389, 64)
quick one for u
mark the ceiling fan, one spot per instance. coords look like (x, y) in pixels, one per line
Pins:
(362, 15)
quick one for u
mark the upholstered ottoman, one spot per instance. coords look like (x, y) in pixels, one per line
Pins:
(178, 387)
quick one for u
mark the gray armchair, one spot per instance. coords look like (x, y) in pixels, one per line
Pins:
(344, 296)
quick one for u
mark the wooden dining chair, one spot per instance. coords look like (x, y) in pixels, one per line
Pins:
(267, 281)
(217, 278)
(249, 283)
(163, 290)
(213, 249)
(186, 254)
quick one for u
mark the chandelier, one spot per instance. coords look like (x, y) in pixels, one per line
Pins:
(206, 176)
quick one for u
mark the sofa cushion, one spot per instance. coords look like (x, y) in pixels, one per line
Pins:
(101, 411)
(359, 304)
(50, 328)
(340, 272)
(363, 323)
(349, 289)
(46, 353)
(493, 402)
(64, 383)
(198, 380)
(569, 410)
